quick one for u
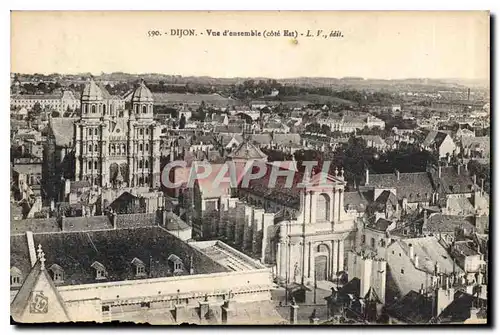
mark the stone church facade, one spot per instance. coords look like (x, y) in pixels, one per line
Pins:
(117, 148)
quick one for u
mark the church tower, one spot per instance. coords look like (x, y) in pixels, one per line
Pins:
(89, 145)
(144, 140)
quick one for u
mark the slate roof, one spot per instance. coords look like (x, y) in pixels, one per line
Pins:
(115, 249)
(416, 186)
(63, 130)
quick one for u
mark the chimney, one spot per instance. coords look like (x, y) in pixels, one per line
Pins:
(421, 291)
(63, 223)
(443, 298)
(439, 171)
(411, 251)
(294, 311)
(458, 168)
(397, 174)
(416, 261)
(480, 278)
(367, 176)
(436, 268)
(482, 186)
(180, 313)
(227, 310)
(204, 307)
(114, 219)
(468, 94)
(474, 179)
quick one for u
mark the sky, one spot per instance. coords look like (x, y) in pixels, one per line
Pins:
(385, 45)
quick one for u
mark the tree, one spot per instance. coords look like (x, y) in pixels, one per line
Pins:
(182, 122)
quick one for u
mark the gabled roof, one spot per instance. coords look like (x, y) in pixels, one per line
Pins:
(460, 308)
(38, 279)
(247, 151)
(434, 138)
(63, 130)
(413, 308)
(372, 296)
(416, 186)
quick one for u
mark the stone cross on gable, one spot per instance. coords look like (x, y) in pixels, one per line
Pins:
(39, 251)
(42, 260)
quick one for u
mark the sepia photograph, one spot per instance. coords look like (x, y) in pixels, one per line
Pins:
(250, 168)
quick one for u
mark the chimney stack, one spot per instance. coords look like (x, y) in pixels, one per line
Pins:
(439, 171)
(294, 311)
(411, 251)
(458, 168)
(114, 219)
(421, 291)
(367, 176)
(397, 174)
(180, 313)
(204, 307)
(227, 310)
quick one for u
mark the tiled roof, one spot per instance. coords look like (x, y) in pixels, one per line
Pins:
(459, 310)
(356, 200)
(76, 186)
(429, 252)
(63, 130)
(413, 308)
(434, 138)
(285, 139)
(83, 223)
(416, 187)
(451, 182)
(247, 151)
(446, 223)
(34, 225)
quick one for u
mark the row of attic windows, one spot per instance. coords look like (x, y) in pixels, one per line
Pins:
(16, 275)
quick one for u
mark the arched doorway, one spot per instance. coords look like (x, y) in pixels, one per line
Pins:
(320, 267)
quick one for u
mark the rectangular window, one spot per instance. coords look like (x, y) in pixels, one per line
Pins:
(402, 271)
(140, 270)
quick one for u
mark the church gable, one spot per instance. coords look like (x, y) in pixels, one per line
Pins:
(38, 300)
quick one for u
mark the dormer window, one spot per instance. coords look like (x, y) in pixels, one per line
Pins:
(15, 276)
(100, 270)
(176, 264)
(140, 267)
(57, 273)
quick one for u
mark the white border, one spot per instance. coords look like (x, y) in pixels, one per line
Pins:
(492, 5)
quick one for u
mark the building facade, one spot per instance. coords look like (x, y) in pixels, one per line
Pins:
(117, 148)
